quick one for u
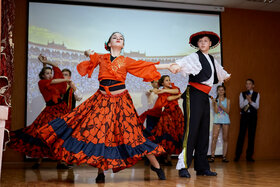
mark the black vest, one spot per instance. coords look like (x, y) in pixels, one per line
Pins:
(66, 98)
(253, 98)
(206, 71)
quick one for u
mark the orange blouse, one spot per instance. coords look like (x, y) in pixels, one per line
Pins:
(118, 69)
(52, 91)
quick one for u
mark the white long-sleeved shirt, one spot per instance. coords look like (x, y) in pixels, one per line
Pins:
(78, 95)
(151, 98)
(243, 102)
(191, 65)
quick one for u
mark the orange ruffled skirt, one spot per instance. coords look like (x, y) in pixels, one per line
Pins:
(104, 132)
(169, 131)
(27, 140)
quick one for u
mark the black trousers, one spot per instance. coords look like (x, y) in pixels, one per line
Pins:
(247, 121)
(151, 122)
(197, 120)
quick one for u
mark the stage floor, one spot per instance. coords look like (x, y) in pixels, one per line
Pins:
(260, 173)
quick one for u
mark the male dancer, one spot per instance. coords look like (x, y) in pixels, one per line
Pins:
(203, 71)
(72, 93)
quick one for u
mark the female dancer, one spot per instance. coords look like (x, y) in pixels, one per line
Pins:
(170, 129)
(221, 120)
(26, 140)
(105, 130)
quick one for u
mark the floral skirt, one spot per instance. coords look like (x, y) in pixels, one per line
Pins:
(104, 132)
(169, 131)
(27, 140)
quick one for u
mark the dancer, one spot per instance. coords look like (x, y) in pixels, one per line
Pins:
(151, 116)
(151, 95)
(72, 93)
(203, 72)
(105, 130)
(26, 140)
(221, 107)
(170, 129)
(249, 102)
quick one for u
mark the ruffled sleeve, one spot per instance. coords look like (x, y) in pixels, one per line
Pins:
(45, 84)
(142, 69)
(58, 75)
(189, 65)
(49, 91)
(221, 73)
(87, 67)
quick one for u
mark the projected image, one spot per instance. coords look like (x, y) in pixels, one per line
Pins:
(63, 32)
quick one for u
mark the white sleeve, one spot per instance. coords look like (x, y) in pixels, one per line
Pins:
(256, 104)
(189, 64)
(221, 73)
(242, 102)
(78, 95)
(181, 163)
(152, 100)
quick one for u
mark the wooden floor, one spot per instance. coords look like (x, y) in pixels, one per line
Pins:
(260, 173)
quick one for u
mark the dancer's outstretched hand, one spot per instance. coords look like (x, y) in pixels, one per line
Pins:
(174, 68)
(42, 59)
(88, 52)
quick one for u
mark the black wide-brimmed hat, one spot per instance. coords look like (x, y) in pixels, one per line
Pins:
(215, 39)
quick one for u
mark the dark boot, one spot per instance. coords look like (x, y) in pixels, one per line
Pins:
(184, 173)
(100, 178)
(206, 173)
(160, 173)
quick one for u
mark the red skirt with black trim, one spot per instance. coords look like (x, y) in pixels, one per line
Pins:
(169, 131)
(104, 132)
(27, 141)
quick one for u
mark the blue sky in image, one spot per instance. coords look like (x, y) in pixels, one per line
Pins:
(157, 33)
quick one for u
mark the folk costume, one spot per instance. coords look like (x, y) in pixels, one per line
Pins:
(203, 71)
(151, 116)
(70, 97)
(105, 130)
(26, 140)
(170, 129)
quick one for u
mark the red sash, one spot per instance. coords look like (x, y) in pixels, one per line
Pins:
(202, 87)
